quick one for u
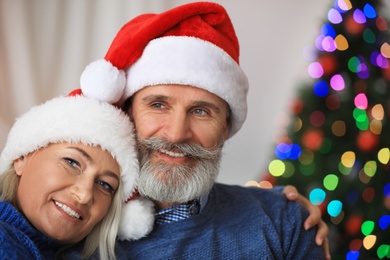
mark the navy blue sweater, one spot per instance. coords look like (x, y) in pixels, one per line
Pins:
(236, 223)
(19, 240)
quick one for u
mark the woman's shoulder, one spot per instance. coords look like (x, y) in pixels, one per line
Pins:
(14, 243)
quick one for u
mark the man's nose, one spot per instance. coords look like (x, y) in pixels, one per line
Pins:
(178, 128)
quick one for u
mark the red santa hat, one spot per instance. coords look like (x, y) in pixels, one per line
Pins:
(194, 44)
(74, 119)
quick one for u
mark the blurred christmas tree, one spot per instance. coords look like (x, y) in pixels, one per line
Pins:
(336, 150)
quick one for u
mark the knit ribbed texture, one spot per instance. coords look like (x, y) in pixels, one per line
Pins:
(19, 240)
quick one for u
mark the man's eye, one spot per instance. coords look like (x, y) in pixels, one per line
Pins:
(107, 187)
(157, 105)
(200, 111)
(72, 162)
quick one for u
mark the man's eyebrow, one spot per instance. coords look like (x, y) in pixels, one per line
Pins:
(155, 97)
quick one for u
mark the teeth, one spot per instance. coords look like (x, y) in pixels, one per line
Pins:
(67, 210)
(173, 154)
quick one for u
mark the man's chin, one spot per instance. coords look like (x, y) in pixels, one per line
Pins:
(171, 194)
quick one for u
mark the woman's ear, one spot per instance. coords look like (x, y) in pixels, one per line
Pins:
(19, 165)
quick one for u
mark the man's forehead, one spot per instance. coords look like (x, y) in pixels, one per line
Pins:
(177, 91)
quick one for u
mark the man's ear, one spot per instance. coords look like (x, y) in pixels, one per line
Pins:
(19, 165)
(228, 122)
(228, 125)
(226, 134)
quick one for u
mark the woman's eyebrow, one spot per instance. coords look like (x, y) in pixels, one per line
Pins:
(84, 153)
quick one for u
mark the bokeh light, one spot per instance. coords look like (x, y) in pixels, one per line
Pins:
(334, 16)
(331, 181)
(337, 82)
(317, 196)
(361, 101)
(315, 70)
(320, 88)
(334, 208)
(359, 16)
(369, 11)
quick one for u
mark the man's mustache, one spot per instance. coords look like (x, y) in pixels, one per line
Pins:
(189, 149)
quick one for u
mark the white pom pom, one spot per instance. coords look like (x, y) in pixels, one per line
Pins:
(137, 219)
(102, 81)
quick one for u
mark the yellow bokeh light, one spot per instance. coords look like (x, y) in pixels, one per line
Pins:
(348, 159)
(276, 168)
(344, 4)
(341, 42)
(377, 112)
(384, 155)
(376, 126)
(385, 50)
(369, 241)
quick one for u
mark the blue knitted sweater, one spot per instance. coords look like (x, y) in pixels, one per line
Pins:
(236, 223)
(19, 240)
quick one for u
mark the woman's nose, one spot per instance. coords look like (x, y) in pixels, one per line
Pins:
(83, 191)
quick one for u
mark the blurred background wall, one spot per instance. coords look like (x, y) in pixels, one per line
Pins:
(45, 45)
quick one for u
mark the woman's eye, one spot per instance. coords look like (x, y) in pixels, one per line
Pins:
(72, 162)
(105, 186)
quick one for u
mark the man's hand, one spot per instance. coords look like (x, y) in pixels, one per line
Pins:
(313, 219)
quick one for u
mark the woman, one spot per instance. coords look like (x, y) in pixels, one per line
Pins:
(65, 170)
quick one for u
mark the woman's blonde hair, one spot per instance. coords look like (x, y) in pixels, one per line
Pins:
(103, 235)
(9, 182)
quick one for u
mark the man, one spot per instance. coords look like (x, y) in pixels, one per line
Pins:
(177, 75)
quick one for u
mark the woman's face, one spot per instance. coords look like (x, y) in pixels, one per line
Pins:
(66, 189)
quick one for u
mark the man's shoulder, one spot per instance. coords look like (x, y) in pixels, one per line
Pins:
(251, 191)
(255, 197)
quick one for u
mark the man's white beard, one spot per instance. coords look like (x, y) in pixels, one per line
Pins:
(178, 183)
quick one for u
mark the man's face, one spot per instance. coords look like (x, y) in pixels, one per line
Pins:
(180, 134)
